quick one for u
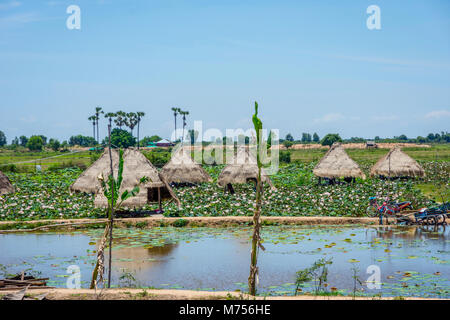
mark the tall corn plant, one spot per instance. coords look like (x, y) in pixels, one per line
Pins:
(111, 190)
(256, 238)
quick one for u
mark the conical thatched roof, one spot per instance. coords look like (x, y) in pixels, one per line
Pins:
(181, 168)
(136, 166)
(242, 169)
(397, 164)
(337, 164)
(88, 180)
(5, 185)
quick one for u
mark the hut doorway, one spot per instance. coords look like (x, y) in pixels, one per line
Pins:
(157, 195)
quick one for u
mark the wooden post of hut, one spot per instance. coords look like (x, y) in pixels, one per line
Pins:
(159, 199)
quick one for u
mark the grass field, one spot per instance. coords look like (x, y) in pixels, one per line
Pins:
(26, 161)
(438, 152)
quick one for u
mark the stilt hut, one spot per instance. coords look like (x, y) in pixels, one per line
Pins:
(337, 164)
(397, 164)
(243, 169)
(156, 190)
(5, 185)
(181, 169)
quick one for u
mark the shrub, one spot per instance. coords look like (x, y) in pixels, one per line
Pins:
(82, 141)
(285, 156)
(288, 143)
(158, 159)
(9, 168)
(35, 143)
(141, 225)
(121, 138)
(54, 144)
(180, 223)
(67, 164)
(95, 156)
(330, 138)
(2, 139)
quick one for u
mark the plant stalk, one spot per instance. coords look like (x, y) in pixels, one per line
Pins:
(111, 216)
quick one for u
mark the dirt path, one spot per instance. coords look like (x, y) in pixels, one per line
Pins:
(164, 294)
(159, 220)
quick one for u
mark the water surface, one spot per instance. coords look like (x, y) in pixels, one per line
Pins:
(414, 261)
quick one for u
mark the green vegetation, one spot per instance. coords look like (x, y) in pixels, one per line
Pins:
(121, 138)
(2, 139)
(317, 273)
(330, 138)
(146, 141)
(46, 195)
(180, 223)
(438, 152)
(24, 161)
(82, 141)
(35, 143)
(442, 137)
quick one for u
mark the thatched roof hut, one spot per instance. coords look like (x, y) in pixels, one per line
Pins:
(136, 166)
(337, 164)
(88, 180)
(182, 169)
(242, 170)
(397, 164)
(5, 185)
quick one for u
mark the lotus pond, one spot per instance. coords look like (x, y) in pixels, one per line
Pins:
(413, 261)
(46, 195)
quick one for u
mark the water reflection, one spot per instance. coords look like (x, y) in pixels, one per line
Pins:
(206, 258)
(435, 232)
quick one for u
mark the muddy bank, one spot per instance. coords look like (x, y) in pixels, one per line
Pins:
(162, 294)
(160, 221)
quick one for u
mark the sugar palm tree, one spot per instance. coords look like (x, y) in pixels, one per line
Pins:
(139, 114)
(98, 111)
(184, 114)
(131, 121)
(110, 116)
(175, 113)
(93, 118)
(120, 119)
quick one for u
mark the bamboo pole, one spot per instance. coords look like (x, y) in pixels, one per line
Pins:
(111, 217)
(100, 257)
(256, 239)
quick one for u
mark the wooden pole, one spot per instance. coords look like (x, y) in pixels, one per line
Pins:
(159, 198)
(99, 266)
(111, 217)
(139, 120)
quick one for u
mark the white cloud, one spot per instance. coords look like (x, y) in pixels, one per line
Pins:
(385, 118)
(9, 5)
(330, 117)
(28, 119)
(437, 114)
(397, 62)
(19, 18)
(53, 3)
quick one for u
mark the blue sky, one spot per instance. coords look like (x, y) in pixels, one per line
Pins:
(313, 66)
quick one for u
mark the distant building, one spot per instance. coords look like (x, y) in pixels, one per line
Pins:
(371, 144)
(164, 143)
